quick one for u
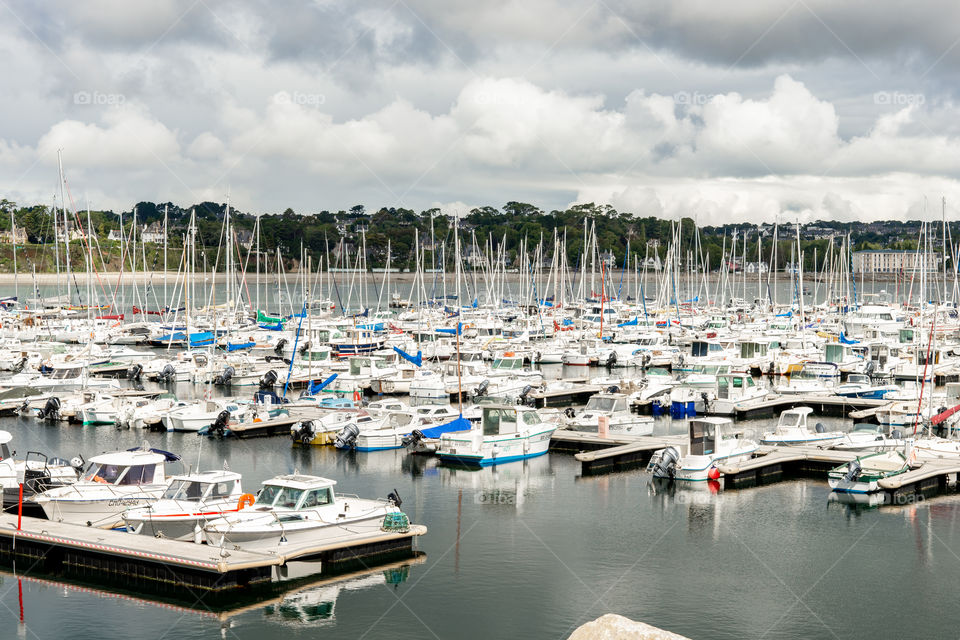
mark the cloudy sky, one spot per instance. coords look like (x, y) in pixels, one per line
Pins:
(725, 111)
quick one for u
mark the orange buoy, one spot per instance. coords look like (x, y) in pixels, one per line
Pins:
(246, 500)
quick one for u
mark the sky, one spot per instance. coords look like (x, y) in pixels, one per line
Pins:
(721, 111)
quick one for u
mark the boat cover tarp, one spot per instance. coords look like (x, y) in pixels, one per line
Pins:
(316, 386)
(457, 424)
(417, 359)
(262, 317)
(846, 340)
(943, 415)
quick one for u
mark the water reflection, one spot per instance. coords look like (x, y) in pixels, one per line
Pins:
(303, 602)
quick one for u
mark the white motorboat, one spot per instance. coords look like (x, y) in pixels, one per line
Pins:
(194, 417)
(615, 409)
(863, 475)
(712, 441)
(301, 509)
(871, 437)
(36, 472)
(188, 503)
(792, 431)
(506, 433)
(111, 484)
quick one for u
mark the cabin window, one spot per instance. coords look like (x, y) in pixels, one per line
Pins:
(183, 490)
(222, 489)
(106, 473)
(738, 383)
(276, 496)
(138, 474)
(531, 417)
(317, 498)
(497, 421)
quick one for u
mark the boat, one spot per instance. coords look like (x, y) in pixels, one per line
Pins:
(713, 441)
(112, 483)
(36, 473)
(792, 431)
(187, 504)
(858, 385)
(863, 474)
(615, 409)
(871, 437)
(303, 509)
(506, 433)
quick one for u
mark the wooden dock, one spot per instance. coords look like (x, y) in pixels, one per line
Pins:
(597, 454)
(50, 545)
(823, 405)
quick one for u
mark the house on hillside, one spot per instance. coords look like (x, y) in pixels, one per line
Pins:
(19, 236)
(152, 232)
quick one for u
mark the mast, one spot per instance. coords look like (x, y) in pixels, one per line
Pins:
(66, 233)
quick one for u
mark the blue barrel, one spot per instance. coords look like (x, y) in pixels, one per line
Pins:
(677, 410)
(692, 409)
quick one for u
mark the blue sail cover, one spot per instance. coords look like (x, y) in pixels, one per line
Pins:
(240, 346)
(452, 332)
(272, 327)
(373, 326)
(788, 314)
(629, 323)
(316, 387)
(457, 424)
(846, 340)
(417, 360)
(201, 338)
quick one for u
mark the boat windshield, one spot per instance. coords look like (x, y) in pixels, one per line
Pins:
(601, 404)
(867, 428)
(276, 496)
(508, 363)
(184, 490)
(104, 473)
(65, 374)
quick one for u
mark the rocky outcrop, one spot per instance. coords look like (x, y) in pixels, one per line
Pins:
(614, 627)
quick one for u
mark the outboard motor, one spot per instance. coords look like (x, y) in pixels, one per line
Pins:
(78, 463)
(268, 379)
(611, 359)
(347, 437)
(303, 432)
(482, 389)
(666, 466)
(870, 367)
(414, 438)
(394, 497)
(135, 372)
(225, 376)
(819, 428)
(17, 368)
(219, 426)
(524, 393)
(896, 434)
(613, 389)
(281, 345)
(853, 471)
(167, 374)
(304, 349)
(570, 412)
(51, 410)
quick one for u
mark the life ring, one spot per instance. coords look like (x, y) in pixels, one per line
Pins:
(100, 480)
(508, 354)
(246, 500)
(356, 396)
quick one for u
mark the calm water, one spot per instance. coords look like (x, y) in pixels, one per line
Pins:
(534, 549)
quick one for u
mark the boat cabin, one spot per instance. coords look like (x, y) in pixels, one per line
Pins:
(205, 485)
(127, 468)
(506, 420)
(294, 492)
(607, 403)
(794, 418)
(706, 434)
(507, 362)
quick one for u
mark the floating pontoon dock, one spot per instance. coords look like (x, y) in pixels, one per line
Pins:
(598, 453)
(182, 564)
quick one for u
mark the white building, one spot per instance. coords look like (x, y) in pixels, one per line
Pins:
(892, 261)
